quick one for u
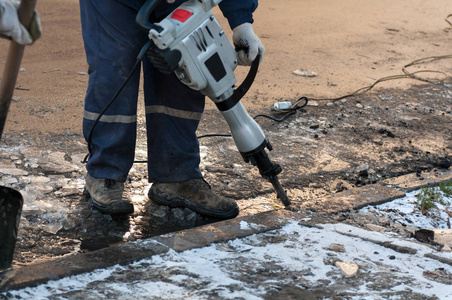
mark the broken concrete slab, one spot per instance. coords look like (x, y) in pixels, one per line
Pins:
(416, 181)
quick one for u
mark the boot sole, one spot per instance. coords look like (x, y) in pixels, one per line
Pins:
(118, 209)
(174, 201)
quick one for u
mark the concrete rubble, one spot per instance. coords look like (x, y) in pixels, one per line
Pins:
(359, 252)
(58, 220)
(363, 251)
(278, 254)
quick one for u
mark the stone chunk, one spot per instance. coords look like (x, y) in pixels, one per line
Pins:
(304, 73)
(349, 269)
(11, 169)
(39, 179)
(337, 248)
(55, 162)
(374, 227)
(441, 237)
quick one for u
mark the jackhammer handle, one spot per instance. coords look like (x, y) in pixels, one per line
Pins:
(12, 65)
(242, 89)
(145, 12)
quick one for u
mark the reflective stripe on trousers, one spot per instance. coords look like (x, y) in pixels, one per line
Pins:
(112, 42)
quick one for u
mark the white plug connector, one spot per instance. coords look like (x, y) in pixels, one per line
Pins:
(285, 105)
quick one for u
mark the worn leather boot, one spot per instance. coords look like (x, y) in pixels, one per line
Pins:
(196, 195)
(108, 196)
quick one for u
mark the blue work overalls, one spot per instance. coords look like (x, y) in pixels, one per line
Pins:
(173, 111)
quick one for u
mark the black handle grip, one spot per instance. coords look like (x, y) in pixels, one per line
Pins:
(145, 12)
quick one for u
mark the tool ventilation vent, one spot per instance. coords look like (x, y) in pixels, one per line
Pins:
(200, 40)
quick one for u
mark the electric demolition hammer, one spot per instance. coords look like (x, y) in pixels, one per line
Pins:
(191, 43)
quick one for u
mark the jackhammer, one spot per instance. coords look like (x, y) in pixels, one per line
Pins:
(191, 43)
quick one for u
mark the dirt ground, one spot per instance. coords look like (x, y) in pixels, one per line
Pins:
(349, 45)
(399, 127)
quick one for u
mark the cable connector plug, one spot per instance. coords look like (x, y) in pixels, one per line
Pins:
(285, 105)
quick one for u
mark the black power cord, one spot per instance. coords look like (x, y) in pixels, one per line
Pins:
(295, 107)
(447, 20)
(406, 75)
(115, 96)
(285, 114)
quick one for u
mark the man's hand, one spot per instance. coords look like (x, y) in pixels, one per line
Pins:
(248, 44)
(11, 27)
(170, 1)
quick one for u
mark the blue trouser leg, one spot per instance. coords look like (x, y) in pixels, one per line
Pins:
(111, 45)
(173, 112)
(112, 42)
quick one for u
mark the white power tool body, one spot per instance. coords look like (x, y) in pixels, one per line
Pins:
(191, 43)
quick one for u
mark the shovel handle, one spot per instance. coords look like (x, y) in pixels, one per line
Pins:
(12, 65)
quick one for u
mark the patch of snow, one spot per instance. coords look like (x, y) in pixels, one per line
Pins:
(253, 267)
(248, 226)
(257, 265)
(404, 211)
(244, 226)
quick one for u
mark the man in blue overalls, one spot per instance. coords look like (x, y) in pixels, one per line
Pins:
(173, 111)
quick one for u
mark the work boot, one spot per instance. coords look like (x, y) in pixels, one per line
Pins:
(108, 196)
(196, 195)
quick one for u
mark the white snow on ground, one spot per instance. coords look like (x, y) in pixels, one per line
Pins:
(248, 226)
(249, 268)
(404, 211)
